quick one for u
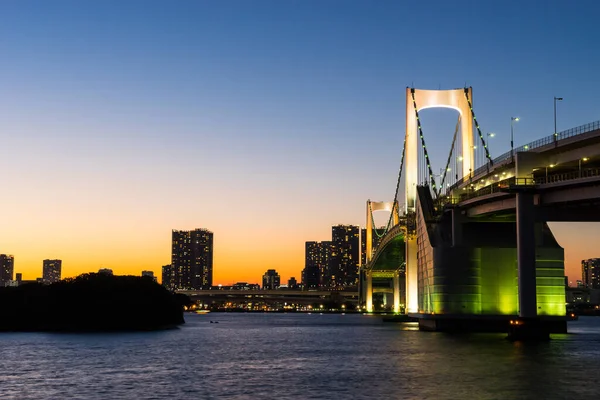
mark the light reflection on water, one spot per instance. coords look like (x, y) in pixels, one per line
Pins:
(298, 356)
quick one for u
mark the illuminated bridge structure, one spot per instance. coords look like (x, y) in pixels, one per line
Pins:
(478, 251)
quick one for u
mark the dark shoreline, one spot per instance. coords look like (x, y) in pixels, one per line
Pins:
(90, 303)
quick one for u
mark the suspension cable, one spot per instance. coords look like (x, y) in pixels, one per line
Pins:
(449, 156)
(395, 203)
(431, 177)
(487, 153)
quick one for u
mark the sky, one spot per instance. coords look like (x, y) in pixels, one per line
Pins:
(266, 122)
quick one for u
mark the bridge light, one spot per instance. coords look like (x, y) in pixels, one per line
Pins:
(551, 165)
(526, 147)
(585, 159)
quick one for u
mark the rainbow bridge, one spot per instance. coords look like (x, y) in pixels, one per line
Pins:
(474, 250)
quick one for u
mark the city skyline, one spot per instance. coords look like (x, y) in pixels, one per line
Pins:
(104, 105)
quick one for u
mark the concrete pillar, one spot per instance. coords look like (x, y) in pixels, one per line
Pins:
(396, 292)
(412, 276)
(456, 227)
(369, 291)
(526, 255)
(361, 286)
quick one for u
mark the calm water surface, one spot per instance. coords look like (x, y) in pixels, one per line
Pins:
(298, 356)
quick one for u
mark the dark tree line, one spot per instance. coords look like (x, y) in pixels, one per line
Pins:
(90, 302)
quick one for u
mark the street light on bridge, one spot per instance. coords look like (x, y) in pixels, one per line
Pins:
(490, 135)
(512, 143)
(556, 133)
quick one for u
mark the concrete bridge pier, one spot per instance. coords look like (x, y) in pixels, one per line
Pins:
(528, 326)
(396, 291)
(369, 290)
(526, 254)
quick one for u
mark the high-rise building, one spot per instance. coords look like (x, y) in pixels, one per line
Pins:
(271, 280)
(346, 259)
(311, 272)
(7, 267)
(168, 278)
(292, 283)
(590, 273)
(317, 264)
(192, 259)
(51, 271)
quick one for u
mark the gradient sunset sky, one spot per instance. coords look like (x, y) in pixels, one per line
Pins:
(266, 122)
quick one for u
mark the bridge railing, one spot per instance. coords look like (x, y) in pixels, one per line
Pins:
(507, 183)
(592, 126)
(567, 176)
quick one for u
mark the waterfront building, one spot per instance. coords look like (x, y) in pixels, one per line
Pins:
(271, 280)
(311, 271)
(19, 278)
(590, 273)
(346, 258)
(167, 276)
(192, 259)
(7, 266)
(292, 283)
(51, 270)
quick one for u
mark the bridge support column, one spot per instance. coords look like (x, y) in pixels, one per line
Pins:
(457, 220)
(397, 292)
(526, 255)
(369, 290)
(412, 276)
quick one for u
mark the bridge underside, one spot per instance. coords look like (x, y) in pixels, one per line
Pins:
(468, 269)
(385, 275)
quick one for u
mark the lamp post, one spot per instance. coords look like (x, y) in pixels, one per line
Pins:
(456, 161)
(584, 159)
(490, 135)
(512, 144)
(556, 133)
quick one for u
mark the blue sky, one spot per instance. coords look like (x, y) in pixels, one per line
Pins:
(293, 108)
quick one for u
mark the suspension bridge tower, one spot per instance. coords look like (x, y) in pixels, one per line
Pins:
(389, 267)
(416, 100)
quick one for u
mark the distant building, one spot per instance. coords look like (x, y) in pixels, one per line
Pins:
(245, 286)
(149, 274)
(311, 274)
(18, 278)
(51, 271)
(345, 262)
(580, 284)
(292, 283)
(271, 280)
(167, 277)
(106, 271)
(590, 273)
(192, 259)
(7, 266)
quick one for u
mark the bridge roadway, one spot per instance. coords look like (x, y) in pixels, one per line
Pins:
(278, 294)
(574, 154)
